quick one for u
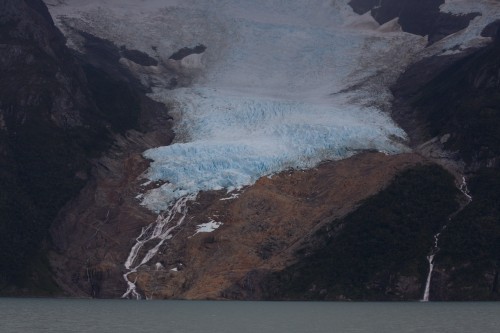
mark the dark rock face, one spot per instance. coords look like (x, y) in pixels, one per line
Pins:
(31, 42)
(105, 55)
(459, 96)
(468, 263)
(456, 99)
(58, 110)
(420, 17)
(186, 51)
(47, 130)
(363, 6)
(138, 57)
(492, 30)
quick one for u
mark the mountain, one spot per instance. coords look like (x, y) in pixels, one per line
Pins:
(332, 150)
(48, 128)
(54, 123)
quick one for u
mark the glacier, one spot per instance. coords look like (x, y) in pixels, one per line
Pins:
(231, 141)
(282, 84)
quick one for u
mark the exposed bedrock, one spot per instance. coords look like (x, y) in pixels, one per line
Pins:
(49, 125)
(420, 17)
(449, 106)
(454, 98)
(58, 112)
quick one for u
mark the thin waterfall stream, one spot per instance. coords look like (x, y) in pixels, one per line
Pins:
(435, 249)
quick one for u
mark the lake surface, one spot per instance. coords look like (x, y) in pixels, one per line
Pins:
(62, 315)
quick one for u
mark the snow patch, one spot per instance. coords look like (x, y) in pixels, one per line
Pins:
(391, 26)
(192, 61)
(210, 226)
(146, 183)
(470, 36)
(231, 197)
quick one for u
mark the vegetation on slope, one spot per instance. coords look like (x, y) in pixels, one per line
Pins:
(369, 254)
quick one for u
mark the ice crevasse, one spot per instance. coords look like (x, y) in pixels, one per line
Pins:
(281, 84)
(242, 139)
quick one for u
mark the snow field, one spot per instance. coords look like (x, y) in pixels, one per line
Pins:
(282, 84)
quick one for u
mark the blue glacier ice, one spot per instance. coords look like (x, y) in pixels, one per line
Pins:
(231, 141)
(269, 100)
(282, 84)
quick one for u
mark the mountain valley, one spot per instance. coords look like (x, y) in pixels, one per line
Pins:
(267, 150)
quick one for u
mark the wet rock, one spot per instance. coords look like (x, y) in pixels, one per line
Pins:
(187, 51)
(138, 57)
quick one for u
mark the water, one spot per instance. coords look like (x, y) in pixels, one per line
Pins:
(58, 315)
(162, 231)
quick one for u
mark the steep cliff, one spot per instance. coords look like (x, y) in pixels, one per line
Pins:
(58, 112)
(48, 130)
(452, 104)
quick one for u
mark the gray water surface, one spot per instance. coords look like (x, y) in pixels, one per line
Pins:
(62, 315)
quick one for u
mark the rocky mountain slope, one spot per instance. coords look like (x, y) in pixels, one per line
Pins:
(449, 107)
(75, 123)
(57, 116)
(49, 125)
(459, 106)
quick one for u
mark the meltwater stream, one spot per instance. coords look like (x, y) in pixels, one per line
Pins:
(435, 249)
(153, 236)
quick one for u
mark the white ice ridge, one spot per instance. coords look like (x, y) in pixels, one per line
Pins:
(282, 83)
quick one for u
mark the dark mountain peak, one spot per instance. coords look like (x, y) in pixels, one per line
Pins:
(492, 30)
(29, 21)
(40, 78)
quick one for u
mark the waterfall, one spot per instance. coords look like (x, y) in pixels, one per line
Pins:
(435, 249)
(156, 233)
(430, 259)
(465, 190)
